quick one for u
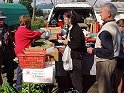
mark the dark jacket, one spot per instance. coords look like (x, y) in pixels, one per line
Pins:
(7, 46)
(77, 42)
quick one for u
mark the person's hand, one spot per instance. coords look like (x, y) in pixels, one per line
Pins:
(42, 30)
(90, 50)
(65, 42)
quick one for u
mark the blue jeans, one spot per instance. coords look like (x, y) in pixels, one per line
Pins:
(19, 79)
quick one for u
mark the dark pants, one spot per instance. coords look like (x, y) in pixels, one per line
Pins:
(8, 63)
(76, 75)
(119, 72)
(1, 62)
(9, 69)
(62, 76)
(19, 78)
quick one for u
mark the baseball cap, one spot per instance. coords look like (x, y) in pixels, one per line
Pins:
(2, 15)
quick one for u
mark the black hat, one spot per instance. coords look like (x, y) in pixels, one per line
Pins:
(1, 15)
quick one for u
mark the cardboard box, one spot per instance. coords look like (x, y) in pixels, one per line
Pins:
(89, 21)
(54, 29)
(55, 54)
(91, 28)
(94, 27)
(53, 36)
(52, 54)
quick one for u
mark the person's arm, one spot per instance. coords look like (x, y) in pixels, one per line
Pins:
(107, 49)
(32, 34)
(122, 44)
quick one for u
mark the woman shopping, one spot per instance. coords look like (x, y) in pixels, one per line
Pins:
(75, 41)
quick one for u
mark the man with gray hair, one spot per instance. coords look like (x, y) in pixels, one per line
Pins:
(106, 49)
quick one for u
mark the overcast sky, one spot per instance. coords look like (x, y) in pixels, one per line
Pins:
(60, 1)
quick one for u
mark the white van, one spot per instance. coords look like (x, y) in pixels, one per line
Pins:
(83, 9)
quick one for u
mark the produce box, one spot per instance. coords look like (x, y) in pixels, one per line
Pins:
(89, 20)
(32, 58)
(94, 27)
(54, 29)
(53, 37)
(53, 54)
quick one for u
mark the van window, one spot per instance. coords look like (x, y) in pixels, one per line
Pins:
(59, 11)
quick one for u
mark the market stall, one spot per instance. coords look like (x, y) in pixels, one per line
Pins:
(38, 64)
(42, 62)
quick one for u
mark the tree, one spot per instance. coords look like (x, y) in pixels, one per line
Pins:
(27, 4)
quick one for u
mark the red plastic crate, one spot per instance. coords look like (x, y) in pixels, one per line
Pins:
(32, 59)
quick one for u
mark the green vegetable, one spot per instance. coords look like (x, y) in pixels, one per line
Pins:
(26, 88)
(32, 88)
(6, 88)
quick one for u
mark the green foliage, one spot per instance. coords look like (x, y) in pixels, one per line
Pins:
(32, 88)
(27, 4)
(26, 88)
(38, 23)
(6, 88)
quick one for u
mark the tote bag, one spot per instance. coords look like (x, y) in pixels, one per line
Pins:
(66, 58)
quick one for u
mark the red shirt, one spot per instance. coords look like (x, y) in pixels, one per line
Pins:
(23, 38)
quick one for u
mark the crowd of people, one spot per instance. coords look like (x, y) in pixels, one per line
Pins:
(108, 51)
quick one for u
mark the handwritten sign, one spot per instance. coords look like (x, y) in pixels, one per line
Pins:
(45, 75)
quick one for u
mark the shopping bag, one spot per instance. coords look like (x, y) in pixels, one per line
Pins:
(93, 69)
(67, 60)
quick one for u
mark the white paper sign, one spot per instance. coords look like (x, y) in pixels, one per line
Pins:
(38, 75)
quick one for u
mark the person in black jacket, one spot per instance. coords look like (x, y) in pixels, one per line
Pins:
(77, 46)
(6, 49)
